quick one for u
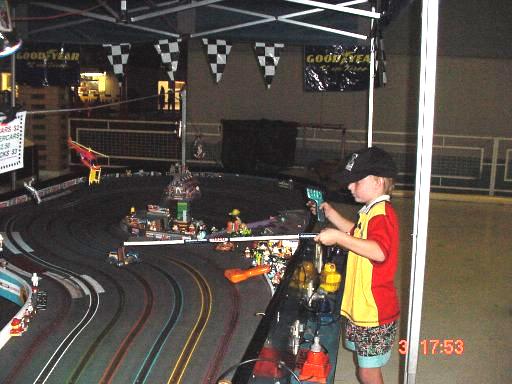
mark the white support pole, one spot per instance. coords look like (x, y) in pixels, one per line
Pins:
(494, 165)
(13, 103)
(183, 95)
(371, 82)
(423, 173)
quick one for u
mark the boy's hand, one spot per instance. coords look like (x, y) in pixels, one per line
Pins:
(325, 206)
(312, 206)
(328, 236)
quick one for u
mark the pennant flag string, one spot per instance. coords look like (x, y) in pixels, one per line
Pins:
(380, 59)
(217, 52)
(118, 57)
(169, 51)
(268, 57)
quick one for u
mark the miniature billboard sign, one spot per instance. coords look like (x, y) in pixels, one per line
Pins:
(12, 136)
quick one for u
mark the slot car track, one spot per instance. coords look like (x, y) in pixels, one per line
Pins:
(172, 318)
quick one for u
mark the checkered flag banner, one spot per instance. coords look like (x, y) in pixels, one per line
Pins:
(169, 51)
(380, 60)
(217, 51)
(268, 57)
(118, 57)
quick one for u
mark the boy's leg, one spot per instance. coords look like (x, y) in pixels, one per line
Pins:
(370, 375)
(372, 347)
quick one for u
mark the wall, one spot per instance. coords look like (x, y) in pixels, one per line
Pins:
(472, 94)
(242, 94)
(474, 79)
(47, 131)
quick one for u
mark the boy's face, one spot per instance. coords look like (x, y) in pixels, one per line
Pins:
(367, 189)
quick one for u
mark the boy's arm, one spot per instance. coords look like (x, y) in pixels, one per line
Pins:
(340, 222)
(363, 247)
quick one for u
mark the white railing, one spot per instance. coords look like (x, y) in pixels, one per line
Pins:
(480, 164)
(477, 164)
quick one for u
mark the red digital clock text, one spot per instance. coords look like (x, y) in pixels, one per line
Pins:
(435, 347)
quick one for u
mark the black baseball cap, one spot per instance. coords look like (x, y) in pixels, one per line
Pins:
(368, 161)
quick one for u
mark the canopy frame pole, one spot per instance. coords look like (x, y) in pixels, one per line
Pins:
(13, 102)
(175, 9)
(430, 9)
(183, 95)
(335, 7)
(371, 87)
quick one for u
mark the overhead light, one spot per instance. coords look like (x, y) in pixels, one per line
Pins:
(92, 74)
(124, 12)
(9, 44)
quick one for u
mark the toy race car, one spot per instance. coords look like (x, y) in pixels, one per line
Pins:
(121, 257)
(226, 246)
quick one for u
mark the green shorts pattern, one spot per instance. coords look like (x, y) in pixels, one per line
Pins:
(372, 344)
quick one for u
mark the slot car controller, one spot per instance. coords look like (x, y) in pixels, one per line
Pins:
(318, 197)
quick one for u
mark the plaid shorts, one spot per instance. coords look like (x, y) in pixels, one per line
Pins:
(372, 344)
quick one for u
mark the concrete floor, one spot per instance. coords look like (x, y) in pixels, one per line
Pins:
(467, 293)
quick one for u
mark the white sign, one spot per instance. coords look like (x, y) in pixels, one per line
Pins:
(12, 136)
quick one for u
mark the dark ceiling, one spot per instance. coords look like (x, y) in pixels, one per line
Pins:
(93, 22)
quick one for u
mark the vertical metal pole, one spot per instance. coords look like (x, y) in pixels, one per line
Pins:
(69, 137)
(13, 103)
(423, 174)
(494, 165)
(372, 82)
(183, 94)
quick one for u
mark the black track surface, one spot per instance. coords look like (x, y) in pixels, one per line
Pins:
(174, 313)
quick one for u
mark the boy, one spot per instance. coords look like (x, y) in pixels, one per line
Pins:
(370, 302)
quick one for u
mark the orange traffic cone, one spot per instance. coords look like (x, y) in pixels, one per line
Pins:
(317, 366)
(268, 366)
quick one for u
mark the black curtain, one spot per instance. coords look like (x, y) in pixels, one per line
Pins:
(258, 145)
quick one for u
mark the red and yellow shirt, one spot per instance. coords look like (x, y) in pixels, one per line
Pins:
(370, 298)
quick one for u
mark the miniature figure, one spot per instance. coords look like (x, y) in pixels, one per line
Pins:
(191, 230)
(234, 221)
(32, 190)
(202, 233)
(35, 281)
(17, 327)
(28, 314)
(198, 148)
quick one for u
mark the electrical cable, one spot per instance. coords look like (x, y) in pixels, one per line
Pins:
(56, 16)
(279, 363)
(65, 110)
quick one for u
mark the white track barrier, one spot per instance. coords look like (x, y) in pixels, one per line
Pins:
(235, 239)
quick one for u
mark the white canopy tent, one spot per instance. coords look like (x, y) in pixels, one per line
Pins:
(132, 19)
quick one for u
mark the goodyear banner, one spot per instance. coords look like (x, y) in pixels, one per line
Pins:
(42, 65)
(336, 68)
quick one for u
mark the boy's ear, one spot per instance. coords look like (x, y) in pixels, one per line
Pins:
(381, 181)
